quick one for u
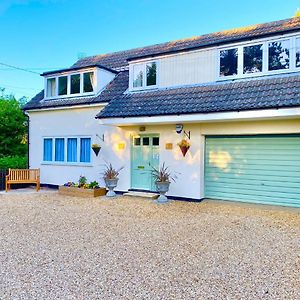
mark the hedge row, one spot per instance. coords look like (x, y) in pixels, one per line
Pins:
(13, 162)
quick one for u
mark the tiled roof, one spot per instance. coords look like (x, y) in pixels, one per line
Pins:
(275, 92)
(115, 89)
(119, 59)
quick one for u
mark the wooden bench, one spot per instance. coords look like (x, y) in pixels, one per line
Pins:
(22, 176)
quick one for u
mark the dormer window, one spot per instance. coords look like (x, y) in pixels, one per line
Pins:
(51, 87)
(265, 57)
(88, 82)
(62, 85)
(75, 84)
(144, 75)
(72, 84)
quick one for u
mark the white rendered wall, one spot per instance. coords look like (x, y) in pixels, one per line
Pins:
(189, 170)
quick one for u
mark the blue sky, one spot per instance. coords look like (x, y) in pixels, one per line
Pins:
(44, 35)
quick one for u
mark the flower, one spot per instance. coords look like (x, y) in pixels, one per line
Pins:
(184, 143)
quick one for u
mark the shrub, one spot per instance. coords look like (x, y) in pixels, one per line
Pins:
(13, 162)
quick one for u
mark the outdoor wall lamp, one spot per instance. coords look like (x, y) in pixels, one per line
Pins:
(179, 128)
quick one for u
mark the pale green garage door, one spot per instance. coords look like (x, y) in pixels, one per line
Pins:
(258, 169)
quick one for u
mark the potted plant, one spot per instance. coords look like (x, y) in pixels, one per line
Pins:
(162, 177)
(184, 146)
(111, 178)
(96, 148)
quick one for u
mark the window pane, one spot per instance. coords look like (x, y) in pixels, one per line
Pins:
(51, 87)
(85, 150)
(137, 141)
(146, 141)
(72, 150)
(47, 150)
(151, 73)
(297, 52)
(253, 59)
(228, 62)
(155, 141)
(138, 76)
(62, 85)
(279, 55)
(75, 84)
(59, 149)
(88, 82)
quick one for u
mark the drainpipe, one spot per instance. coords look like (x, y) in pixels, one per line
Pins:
(28, 140)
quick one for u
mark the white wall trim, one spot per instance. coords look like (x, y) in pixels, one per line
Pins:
(100, 105)
(209, 117)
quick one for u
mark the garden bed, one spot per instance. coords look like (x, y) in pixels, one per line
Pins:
(81, 192)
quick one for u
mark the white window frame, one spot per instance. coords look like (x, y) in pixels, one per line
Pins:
(265, 42)
(68, 75)
(144, 86)
(65, 162)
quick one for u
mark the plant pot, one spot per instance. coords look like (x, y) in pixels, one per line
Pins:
(162, 188)
(111, 184)
(79, 192)
(184, 150)
(96, 150)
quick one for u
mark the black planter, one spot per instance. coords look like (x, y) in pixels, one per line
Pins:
(3, 173)
(96, 150)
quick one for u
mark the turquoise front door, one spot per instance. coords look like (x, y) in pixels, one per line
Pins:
(144, 156)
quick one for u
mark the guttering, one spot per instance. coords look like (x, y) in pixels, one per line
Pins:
(79, 68)
(283, 113)
(66, 107)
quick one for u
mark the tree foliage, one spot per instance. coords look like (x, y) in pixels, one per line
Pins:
(13, 127)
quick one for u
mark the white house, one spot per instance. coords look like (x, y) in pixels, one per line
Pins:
(233, 95)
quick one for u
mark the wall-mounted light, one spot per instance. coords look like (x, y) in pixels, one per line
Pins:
(179, 128)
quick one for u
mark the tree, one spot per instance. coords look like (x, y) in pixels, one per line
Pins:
(297, 13)
(13, 127)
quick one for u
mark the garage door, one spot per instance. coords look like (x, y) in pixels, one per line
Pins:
(258, 169)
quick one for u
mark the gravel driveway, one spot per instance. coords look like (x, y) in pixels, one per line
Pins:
(54, 247)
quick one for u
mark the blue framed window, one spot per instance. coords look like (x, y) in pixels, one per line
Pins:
(72, 150)
(85, 150)
(47, 156)
(59, 149)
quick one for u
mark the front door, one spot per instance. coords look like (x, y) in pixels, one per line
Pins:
(144, 156)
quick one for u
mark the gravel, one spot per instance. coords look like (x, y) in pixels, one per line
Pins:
(55, 247)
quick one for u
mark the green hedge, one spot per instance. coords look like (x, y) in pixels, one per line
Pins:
(13, 162)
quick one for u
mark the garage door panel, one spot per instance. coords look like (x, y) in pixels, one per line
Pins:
(258, 199)
(252, 189)
(254, 181)
(253, 169)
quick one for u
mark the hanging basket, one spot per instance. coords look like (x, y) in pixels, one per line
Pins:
(96, 150)
(184, 150)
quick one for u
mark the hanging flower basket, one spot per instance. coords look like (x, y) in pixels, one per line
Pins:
(184, 146)
(96, 148)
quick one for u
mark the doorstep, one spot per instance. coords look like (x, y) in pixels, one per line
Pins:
(147, 195)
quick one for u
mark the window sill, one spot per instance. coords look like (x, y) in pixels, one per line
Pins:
(65, 164)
